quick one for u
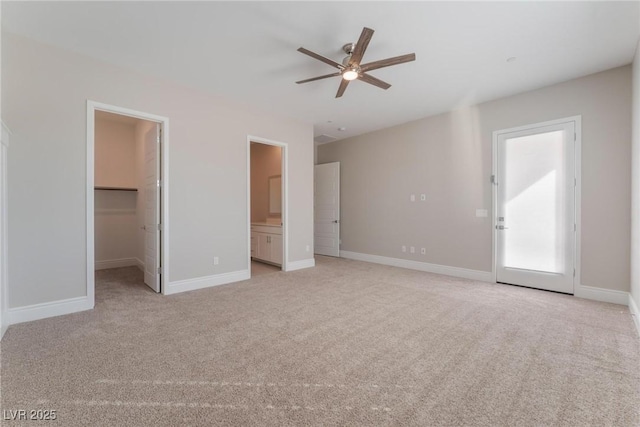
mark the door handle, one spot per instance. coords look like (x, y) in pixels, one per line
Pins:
(501, 227)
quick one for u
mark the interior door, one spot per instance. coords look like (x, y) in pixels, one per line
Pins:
(327, 209)
(151, 208)
(535, 222)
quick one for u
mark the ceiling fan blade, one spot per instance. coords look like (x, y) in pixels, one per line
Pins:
(388, 62)
(343, 86)
(321, 58)
(367, 78)
(361, 46)
(319, 78)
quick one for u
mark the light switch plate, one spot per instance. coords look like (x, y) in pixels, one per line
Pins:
(413, 198)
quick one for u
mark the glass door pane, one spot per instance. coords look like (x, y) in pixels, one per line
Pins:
(534, 208)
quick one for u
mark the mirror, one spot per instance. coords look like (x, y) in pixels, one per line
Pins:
(275, 195)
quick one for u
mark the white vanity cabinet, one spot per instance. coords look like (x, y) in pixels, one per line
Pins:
(266, 243)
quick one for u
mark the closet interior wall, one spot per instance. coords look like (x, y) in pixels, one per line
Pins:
(119, 182)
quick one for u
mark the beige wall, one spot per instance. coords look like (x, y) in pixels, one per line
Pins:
(635, 194)
(207, 166)
(266, 161)
(115, 225)
(115, 164)
(448, 158)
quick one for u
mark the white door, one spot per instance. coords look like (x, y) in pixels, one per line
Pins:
(327, 209)
(535, 218)
(151, 208)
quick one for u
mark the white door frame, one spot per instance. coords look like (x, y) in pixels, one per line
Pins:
(578, 190)
(92, 107)
(285, 198)
(4, 228)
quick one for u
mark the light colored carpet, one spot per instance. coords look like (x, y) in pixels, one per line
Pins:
(345, 343)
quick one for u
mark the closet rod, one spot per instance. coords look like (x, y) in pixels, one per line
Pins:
(116, 188)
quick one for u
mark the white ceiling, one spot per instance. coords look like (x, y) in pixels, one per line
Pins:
(247, 50)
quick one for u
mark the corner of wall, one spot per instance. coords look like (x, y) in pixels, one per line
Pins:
(4, 283)
(635, 312)
(634, 294)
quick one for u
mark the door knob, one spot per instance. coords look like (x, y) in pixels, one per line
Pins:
(502, 227)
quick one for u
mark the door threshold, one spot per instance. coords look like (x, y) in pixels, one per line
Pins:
(537, 289)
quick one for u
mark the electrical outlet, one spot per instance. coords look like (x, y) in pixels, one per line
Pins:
(216, 260)
(423, 197)
(404, 248)
(412, 250)
(423, 251)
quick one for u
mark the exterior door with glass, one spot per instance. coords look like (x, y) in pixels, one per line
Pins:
(535, 222)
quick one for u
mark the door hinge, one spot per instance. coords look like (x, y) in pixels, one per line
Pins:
(159, 227)
(159, 270)
(159, 184)
(493, 180)
(575, 182)
(574, 272)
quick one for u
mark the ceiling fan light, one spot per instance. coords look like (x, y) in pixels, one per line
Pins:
(350, 75)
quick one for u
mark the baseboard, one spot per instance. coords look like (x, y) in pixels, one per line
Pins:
(299, 265)
(116, 263)
(140, 264)
(207, 281)
(635, 312)
(48, 309)
(464, 273)
(601, 294)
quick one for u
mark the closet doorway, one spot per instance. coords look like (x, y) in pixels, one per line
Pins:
(267, 202)
(126, 196)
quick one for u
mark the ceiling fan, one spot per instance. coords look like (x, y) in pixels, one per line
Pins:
(351, 67)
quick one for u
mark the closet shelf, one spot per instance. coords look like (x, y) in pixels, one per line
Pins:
(116, 188)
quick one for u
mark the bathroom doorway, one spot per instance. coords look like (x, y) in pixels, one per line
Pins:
(267, 190)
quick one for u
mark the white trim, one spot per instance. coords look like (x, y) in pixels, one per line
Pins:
(116, 263)
(464, 273)
(635, 312)
(5, 135)
(601, 294)
(578, 202)
(92, 106)
(140, 264)
(49, 309)
(578, 192)
(285, 198)
(207, 281)
(299, 265)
